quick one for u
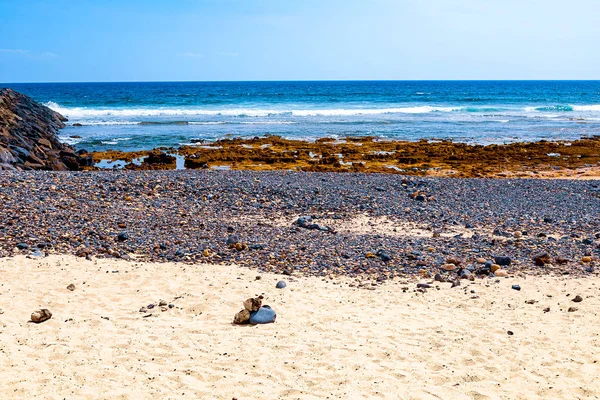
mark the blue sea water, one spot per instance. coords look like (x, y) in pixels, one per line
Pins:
(132, 116)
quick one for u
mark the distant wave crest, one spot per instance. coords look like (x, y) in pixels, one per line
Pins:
(185, 116)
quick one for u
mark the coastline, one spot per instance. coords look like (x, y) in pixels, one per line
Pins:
(543, 159)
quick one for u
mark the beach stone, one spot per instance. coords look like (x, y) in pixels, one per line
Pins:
(439, 278)
(572, 309)
(448, 267)
(304, 221)
(500, 273)
(541, 259)
(232, 240)
(264, 315)
(280, 285)
(454, 260)
(516, 287)
(481, 260)
(494, 268)
(465, 274)
(253, 304)
(242, 317)
(22, 246)
(502, 260)
(455, 283)
(123, 236)
(71, 287)
(586, 259)
(577, 299)
(383, 255)
(423, 286)
(41, 315)
(561, 260)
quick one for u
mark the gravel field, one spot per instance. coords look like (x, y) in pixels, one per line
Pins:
(370, 226)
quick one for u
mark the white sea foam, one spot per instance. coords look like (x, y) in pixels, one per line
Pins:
(95, 115)
(594, 107)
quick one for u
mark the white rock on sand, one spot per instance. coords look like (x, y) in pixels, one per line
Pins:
(329, 340)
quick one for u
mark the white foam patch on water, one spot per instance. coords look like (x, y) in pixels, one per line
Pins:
(84, 113)
(69, 140)
(595, 107)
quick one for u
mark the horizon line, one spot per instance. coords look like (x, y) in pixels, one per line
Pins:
(310, 80)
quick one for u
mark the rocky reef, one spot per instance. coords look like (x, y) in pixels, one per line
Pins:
(28, 136)
(580, 158)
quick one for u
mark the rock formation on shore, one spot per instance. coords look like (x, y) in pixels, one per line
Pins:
(28, 136)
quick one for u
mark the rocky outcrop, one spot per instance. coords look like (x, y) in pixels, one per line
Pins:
(28, 136)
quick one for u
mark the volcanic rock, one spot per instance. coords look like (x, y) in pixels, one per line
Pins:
(28, 136)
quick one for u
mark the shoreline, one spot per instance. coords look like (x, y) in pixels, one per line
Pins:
(543, 159)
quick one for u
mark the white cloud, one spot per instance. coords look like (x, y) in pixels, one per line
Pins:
(46, 55)
(190, 54)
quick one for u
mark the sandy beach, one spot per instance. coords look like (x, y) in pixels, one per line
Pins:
(330, 340)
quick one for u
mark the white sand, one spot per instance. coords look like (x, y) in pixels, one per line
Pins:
(330, 341)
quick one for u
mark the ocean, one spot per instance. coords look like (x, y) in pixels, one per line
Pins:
(136, 116)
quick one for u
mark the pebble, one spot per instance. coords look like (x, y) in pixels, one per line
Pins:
(41, 315)
(516, 287)
(577, 299)
(502, 260)
(280, 285)
(71, 287)
(500, 273)
(448, 267)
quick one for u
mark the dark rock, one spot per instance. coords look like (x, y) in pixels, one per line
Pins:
(304, 221)
(232, 240)
(423, 286)
(516, 287)
(502, 260)
(577, 299)
(383, 255)
(541, 259)
(123, 236)
(29, 135)
(22, 246)
(280, 285)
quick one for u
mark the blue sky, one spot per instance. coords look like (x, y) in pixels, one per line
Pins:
(166, 40)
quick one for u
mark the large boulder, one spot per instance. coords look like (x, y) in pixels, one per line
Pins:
(28, 136)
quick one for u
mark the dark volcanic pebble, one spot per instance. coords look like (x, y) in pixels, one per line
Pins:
(502, 260)
(516, 287)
